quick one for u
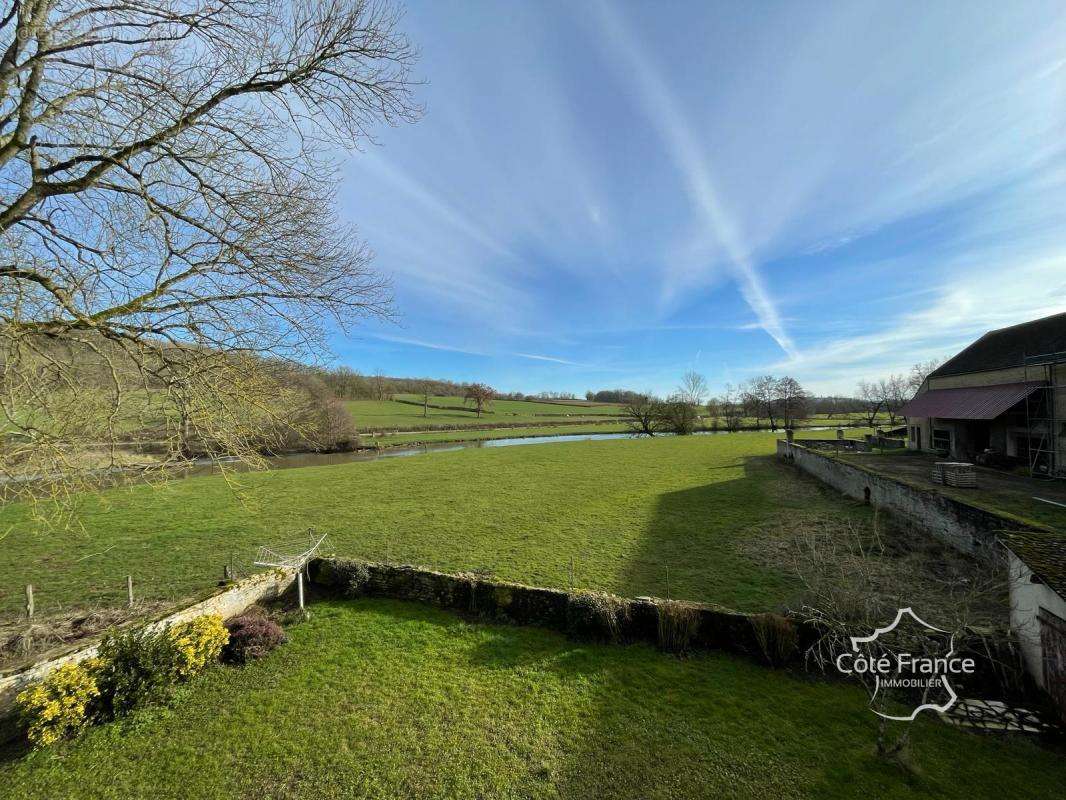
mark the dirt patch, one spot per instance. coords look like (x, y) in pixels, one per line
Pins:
(22, 641)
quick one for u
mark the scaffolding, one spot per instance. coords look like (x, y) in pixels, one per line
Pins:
(1045, 459)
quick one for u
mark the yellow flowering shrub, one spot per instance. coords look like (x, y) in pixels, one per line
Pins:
(199, 642)
(61, 705)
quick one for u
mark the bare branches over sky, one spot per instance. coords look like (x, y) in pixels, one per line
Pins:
(163, 180)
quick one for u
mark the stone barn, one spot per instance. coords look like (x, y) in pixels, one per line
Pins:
(1004, 395)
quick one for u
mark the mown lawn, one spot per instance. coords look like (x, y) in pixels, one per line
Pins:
(379, 699)
(665, 516)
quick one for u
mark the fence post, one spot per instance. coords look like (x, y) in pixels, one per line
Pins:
(129, 589)
(300, 587)
(29, 600)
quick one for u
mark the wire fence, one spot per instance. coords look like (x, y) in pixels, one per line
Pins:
(46, 609)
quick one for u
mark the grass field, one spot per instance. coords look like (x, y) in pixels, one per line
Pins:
(394, 415)
(660, 516)
(452, 412)
(378, 699)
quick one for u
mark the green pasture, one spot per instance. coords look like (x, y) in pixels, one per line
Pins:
(643, 516)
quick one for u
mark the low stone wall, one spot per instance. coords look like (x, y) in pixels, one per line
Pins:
(672, 625)
(226, 603)
(966, 528)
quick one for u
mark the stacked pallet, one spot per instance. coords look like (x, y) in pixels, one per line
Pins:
(959, 474)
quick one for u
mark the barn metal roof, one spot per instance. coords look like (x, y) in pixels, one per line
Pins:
(975, 402)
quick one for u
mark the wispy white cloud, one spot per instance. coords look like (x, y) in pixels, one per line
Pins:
(589, 180)
(693, 164)
(475, 352)
(965, 305)
(552, 359)
(392, 174)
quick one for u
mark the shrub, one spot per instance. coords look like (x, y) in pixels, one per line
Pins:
(598, 616)
(139, 668)
(199, 643)
(358, 580)
(777, 637)
(61, 705)
(251, 636)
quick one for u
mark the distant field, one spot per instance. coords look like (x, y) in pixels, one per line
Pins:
(372, 415)
(530, 408)
(406, 413)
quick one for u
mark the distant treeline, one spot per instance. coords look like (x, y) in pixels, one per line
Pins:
(349, 384)
(614, 396)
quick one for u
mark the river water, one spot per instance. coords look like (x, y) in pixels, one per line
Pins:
(297, 460)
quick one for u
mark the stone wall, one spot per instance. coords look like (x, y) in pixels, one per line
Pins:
(966, 528)
(226, 603)
(673, 625)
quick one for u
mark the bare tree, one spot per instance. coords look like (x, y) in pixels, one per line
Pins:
(677, 415)
(643, 414)
(693, 389)
(761, 395)
(732, 408)
(896, 391)
(479, 395)
(919, 372)
(379, 385)
(166, 210)
(427, 391)
(872, 397)
(792, 399)
(854, 585)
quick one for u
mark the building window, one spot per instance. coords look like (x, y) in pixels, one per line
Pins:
(941, 439)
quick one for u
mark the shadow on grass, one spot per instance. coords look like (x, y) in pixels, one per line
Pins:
(720, 725)
(698, 543)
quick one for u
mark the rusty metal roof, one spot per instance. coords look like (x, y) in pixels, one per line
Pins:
(975, 402)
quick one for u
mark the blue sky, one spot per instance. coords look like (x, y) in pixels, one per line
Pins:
(609, 194)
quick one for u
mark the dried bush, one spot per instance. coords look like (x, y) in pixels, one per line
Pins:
(251, 636)
(777, 636)
(597, 616)
(678, 624)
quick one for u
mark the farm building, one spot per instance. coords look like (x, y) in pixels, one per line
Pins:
(1005, 393)
(1036, 565)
